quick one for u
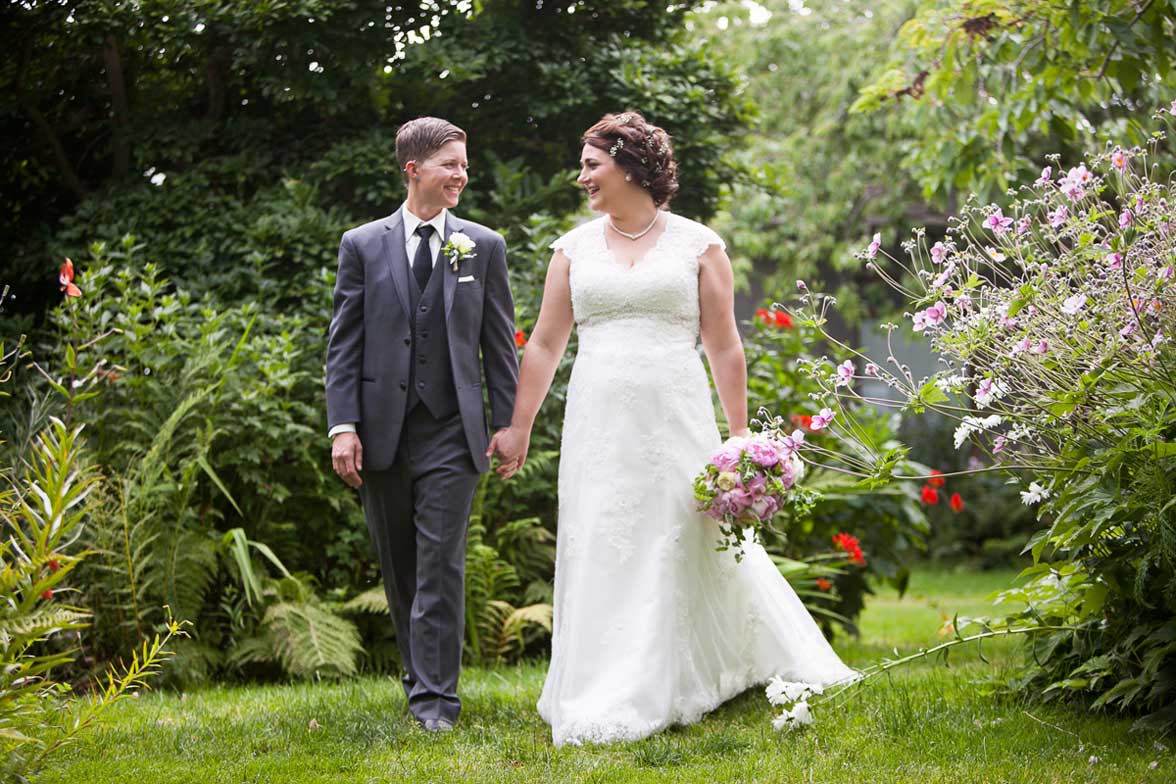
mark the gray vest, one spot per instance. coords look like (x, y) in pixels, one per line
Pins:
(430, 376)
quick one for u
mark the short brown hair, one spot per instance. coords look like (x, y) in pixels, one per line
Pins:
(418, 139)
(642, 149)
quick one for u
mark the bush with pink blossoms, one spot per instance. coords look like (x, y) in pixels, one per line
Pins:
(747, 482)
(1054, 324)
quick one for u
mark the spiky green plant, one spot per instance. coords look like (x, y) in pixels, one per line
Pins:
(42, 511)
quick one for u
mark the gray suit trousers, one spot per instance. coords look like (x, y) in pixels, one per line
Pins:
(417, 512)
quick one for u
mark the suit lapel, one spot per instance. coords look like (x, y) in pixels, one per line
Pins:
(452, 224)
(397, 260)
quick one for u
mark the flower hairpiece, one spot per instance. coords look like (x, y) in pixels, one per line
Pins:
(612, 151)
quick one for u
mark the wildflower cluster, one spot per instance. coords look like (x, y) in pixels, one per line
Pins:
(1052, 318)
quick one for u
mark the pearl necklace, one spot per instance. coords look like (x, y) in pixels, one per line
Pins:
(637, 235)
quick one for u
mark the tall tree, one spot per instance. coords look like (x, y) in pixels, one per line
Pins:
(994, 85)
(240, 94)
(823, 180)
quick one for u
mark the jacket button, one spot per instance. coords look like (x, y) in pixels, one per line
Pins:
(420, 385)
(424, 308)
(407, 342)
(422, 360)
(404, 385)
(424, 336)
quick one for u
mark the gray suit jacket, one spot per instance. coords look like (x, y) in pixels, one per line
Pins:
(370, 343)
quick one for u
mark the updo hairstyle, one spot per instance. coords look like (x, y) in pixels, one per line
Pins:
(641, 149)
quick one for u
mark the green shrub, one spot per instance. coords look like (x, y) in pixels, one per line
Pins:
(44, 505)
(1054, 324)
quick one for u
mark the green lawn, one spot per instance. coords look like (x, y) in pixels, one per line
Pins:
(927, 723)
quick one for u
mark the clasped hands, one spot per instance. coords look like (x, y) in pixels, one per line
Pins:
(511, 445)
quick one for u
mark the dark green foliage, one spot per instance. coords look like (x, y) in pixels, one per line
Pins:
(1106, 565)
(197, 419)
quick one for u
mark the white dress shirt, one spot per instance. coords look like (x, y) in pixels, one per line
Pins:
(411, 241)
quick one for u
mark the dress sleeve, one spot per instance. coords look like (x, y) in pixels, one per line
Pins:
(703, 237)
(567, 243)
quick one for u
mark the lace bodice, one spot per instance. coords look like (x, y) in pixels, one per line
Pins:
(662, 285)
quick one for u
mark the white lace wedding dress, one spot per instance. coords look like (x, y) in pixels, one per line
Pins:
(653, 626)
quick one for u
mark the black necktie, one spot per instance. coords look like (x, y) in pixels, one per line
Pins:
(422, 262)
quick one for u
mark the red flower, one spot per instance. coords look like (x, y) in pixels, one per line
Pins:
(936, 479)
(520, 338)
(66, 277)
(823, 584)
(957, 503)
(803, 421)
(852, 548)
(53, 565)
(47, 593)
(764, 316)
(783, 320)
(930, 495)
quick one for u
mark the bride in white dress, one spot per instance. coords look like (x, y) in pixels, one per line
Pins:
(653, 626)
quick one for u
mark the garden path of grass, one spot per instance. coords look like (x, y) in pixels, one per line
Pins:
(927, 723)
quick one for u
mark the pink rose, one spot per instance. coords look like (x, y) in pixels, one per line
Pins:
(763, 452)
(726, 458)
(756, 484)
(765, 507)
(737, 500)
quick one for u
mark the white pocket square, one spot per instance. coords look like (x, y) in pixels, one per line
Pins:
(466, 279)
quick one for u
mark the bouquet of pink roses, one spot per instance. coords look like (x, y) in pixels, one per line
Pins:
(746, 482)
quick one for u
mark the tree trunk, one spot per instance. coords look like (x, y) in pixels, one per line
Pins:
(72, 181)
(45, 130)
(121, 106)
(217, 74)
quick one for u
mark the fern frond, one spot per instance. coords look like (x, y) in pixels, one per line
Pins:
(39, 623)
(537, 463)
(309, 640)
(373, 601)
(539, 615)
(189, 566)
(251, 650)
(508, 629)
(528, 547)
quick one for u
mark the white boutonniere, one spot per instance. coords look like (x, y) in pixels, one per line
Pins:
(459, 248)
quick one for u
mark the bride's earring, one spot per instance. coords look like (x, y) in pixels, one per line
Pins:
(628, 178)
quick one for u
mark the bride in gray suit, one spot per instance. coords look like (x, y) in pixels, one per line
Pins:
(422, 313)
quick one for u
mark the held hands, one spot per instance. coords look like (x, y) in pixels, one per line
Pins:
(511, 444)
(347, 458)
